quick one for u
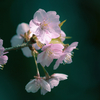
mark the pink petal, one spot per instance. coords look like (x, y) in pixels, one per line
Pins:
(45, 85)
(45, 47)
(60, 60)
(1, 42)
(60, 76)
(22, 28)
(40, 15)
(33, 27)
(44, 59)
(43, 36)
(26, 52)
(54, 31)
(57, 50)
(1, 51)
(16, 40)
(52, 17)
(43, 91)
(41, 57)
(53, 82)
(63, 35)
(57, 47)
(3, 59)
(33, 86)
(71, 47)
(47, 61)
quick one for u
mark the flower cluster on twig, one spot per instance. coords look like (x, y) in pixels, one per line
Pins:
(43, 33)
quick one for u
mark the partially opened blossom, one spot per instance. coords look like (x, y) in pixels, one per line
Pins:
(35, 84)
(45, 25)
(66, 55)
(18, 39)
(54, 81)
(21, 29)
(3, 58)
(50, 52)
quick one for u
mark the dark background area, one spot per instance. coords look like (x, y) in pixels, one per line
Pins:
(83, 25)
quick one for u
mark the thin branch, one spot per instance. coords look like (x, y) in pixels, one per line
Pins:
(38, 74)
(46, 73)
(16, 47)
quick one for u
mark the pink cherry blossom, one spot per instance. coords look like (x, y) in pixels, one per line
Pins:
(18, 39)
(35, 84)
(50, 52)
(66, 55)
(3, 58)
(45, 25)
(54, 81)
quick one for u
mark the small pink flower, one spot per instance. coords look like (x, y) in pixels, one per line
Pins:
(66, 55)
(18, 40)
(35, 84)
(45, 25)
(50, 52)
(3, 58)
(54, 81)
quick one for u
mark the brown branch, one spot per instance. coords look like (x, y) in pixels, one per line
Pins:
(16, 47)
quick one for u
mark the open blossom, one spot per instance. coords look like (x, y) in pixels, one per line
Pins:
(66, 55)
(3, 58)
(18, 39)
(35, 84)
(54, 81)
(45, 25)
(50, 52)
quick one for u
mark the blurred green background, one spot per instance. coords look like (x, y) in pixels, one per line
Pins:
(83, 25)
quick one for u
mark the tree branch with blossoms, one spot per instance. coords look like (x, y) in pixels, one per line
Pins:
(42, 39)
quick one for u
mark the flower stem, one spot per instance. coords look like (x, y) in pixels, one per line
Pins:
(45, 71)
(38, 74)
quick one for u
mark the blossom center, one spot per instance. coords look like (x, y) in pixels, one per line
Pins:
(67, 58)
(43, 25)
(49, 52)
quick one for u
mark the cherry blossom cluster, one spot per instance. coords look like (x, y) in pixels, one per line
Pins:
(42, 39)
(3, 58)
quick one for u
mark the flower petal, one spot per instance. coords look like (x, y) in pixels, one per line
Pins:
(52, 17)
(43, 91)
(16, 40)
(33, 86)
(47, 61)
(1, 51)
(40, 15)
(3, 59)
(33, 27)
(60, 76)
(60, 60)
(1, 42)
(71, 47)
(45, 47)
(26, 52)
(40, 57)
(63, 35)
(53, 82)
(22, 28)
(45, 85)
